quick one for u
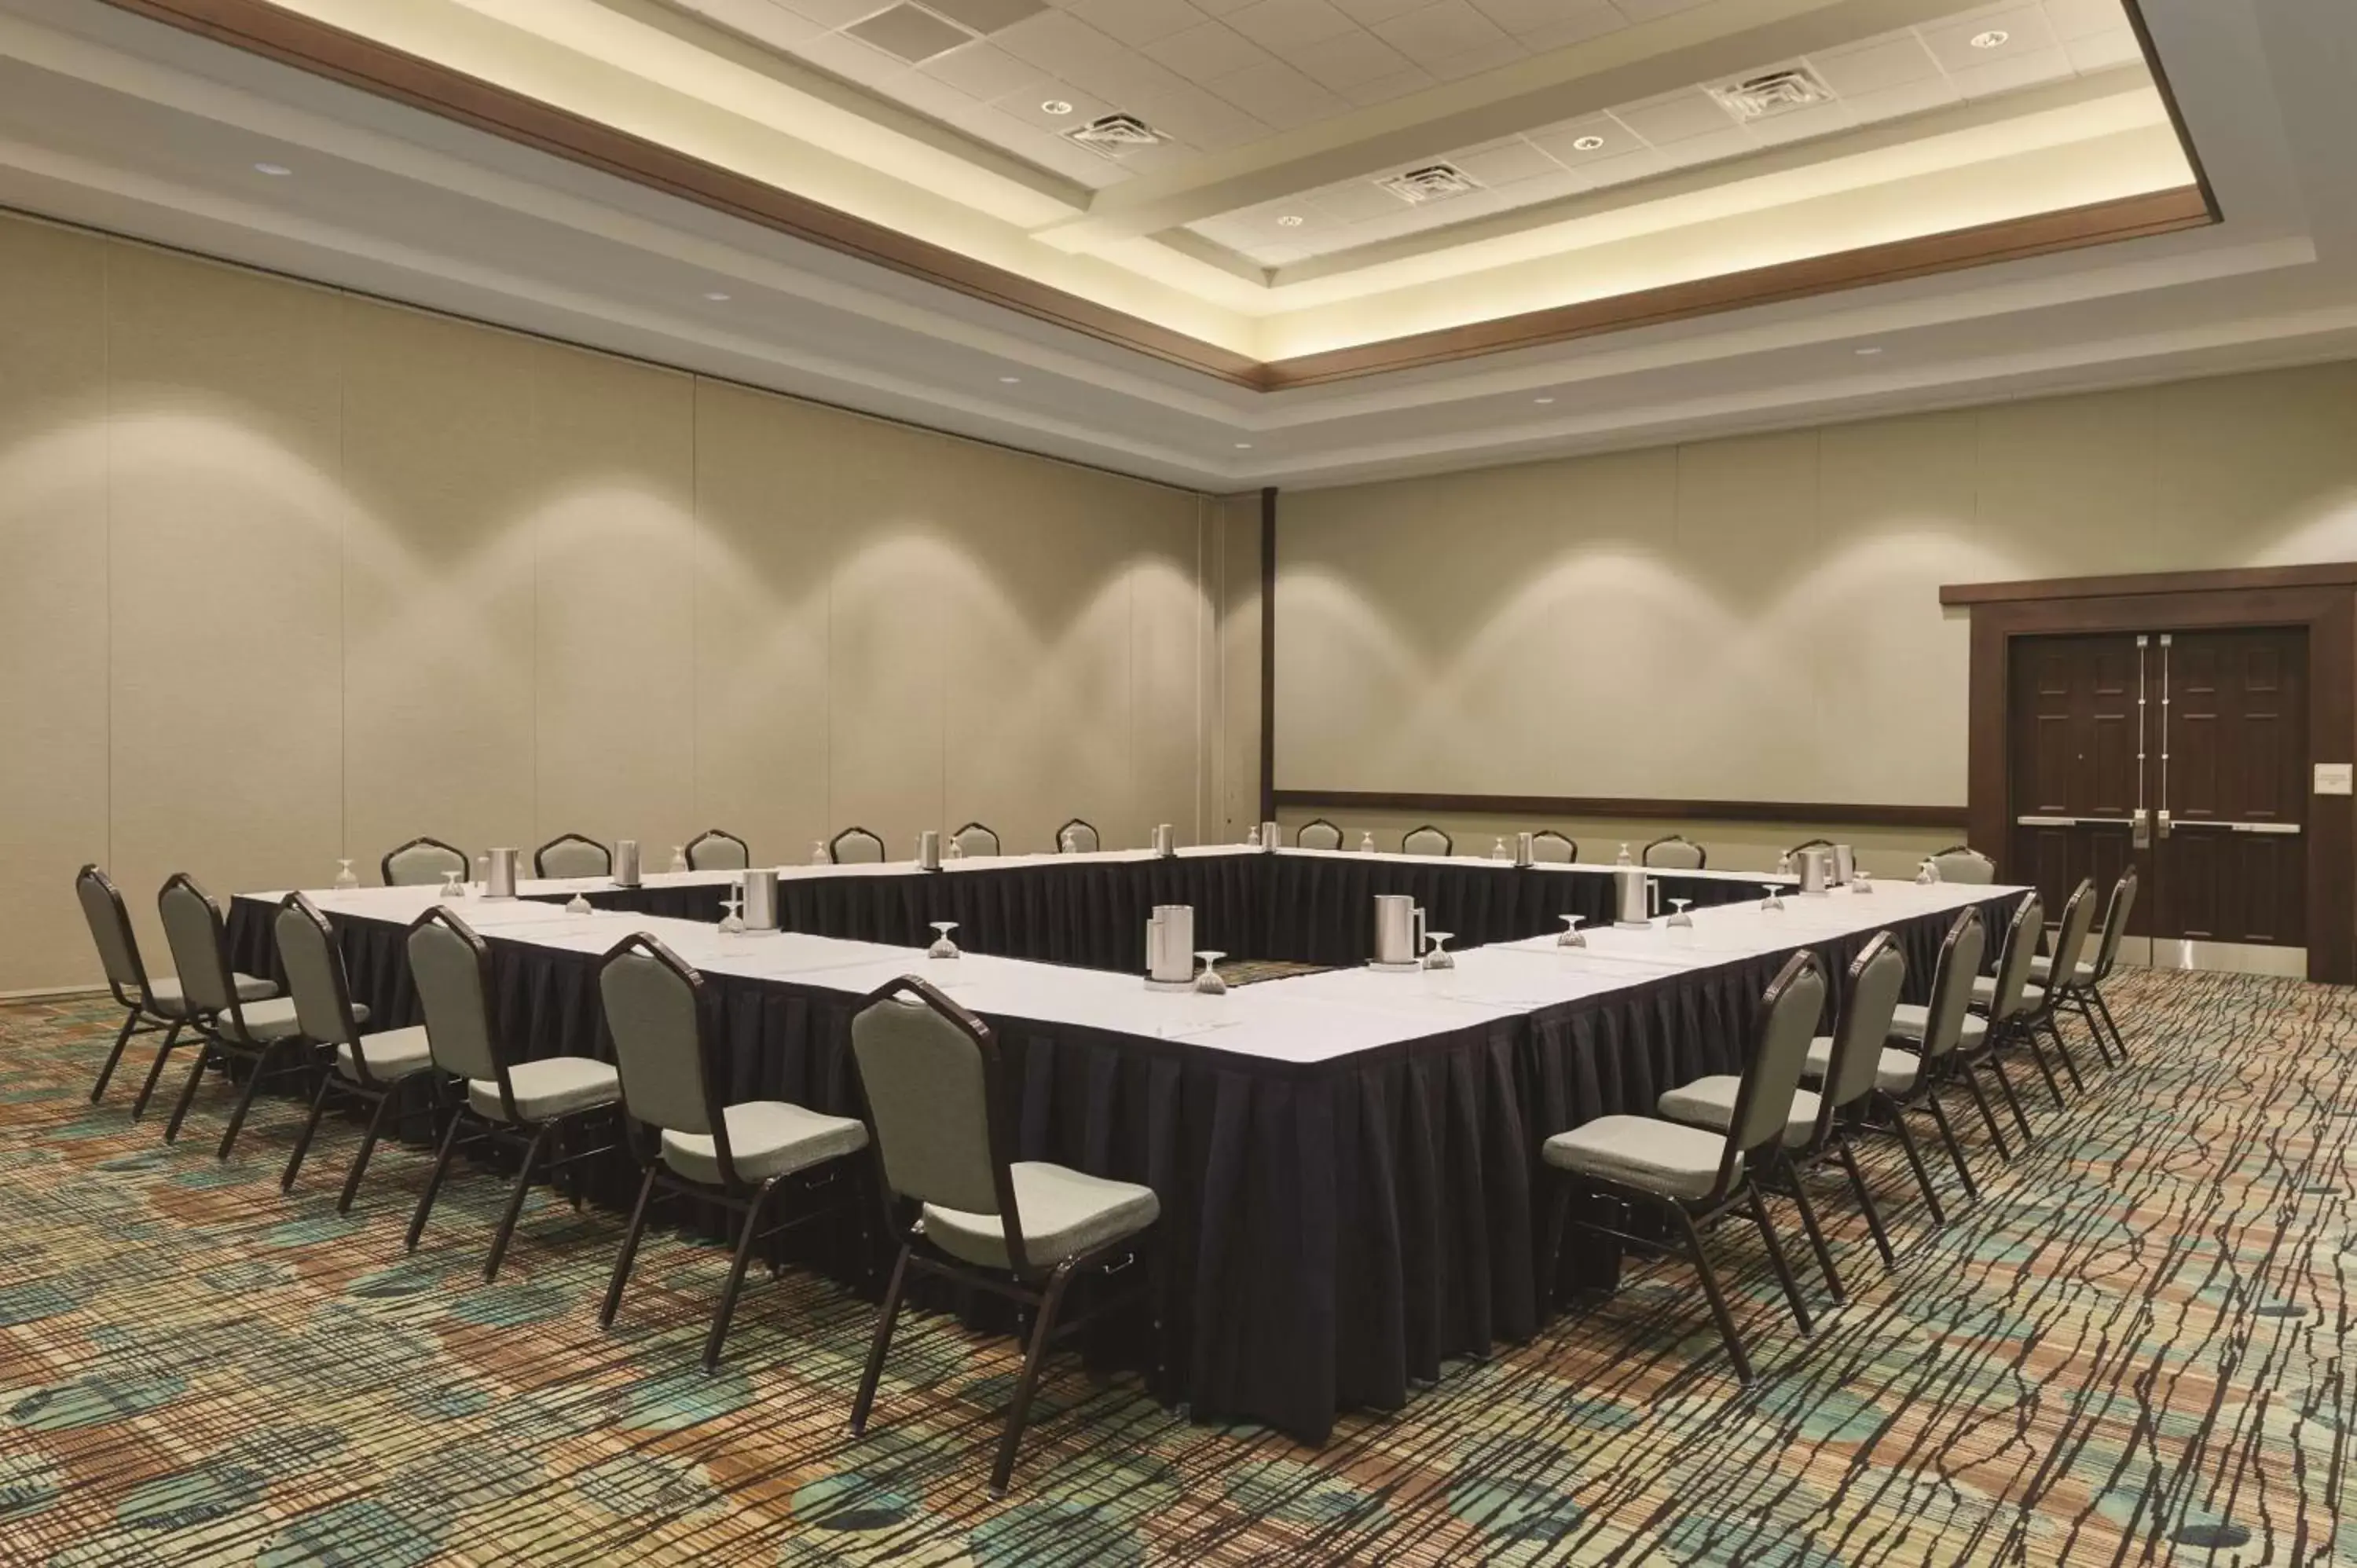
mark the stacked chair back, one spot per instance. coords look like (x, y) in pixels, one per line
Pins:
(1428, 840)
(931, 1077)
(975, 839)
(572, 855)
(654, 1009)
(192, 928)
(1077, 837)
(713, 850)
(424, 862)
(1961, 863)
(1951, 985)
(2116, 924)
(1549, 847)
(1318, 833)
(2013, 958)
(1675, 853)
(450, 967)
(1877, 976)
(855, 846)
(111, 933)
(315, 976)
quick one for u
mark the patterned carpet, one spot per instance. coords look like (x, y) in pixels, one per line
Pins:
(2130, 1351)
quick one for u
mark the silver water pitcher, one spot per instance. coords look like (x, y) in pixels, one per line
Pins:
(1399, 932)
(1814, 868)
(625, 863)
(760, 911)
(1270, 835)
(929, 850)
(1165, 843)
(499, 875)
(1632, 895)
(1170, 947)
(1525, 849)
(1844, 864)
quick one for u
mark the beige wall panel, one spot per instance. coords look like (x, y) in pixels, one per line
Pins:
(2264, 465)
(2066, 486)
(438, 568)
(226, 575)
(1168, 690)
(53, 611)
(1235, 550)
(771, 512)
(610, 502)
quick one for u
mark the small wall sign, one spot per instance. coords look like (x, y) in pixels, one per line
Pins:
(2332, 777)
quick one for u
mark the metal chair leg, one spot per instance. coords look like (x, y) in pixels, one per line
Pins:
(515, 1208)
(881, 1343)
(433, 1179)
(2078, 998)
(727, 1306)
(1848, 1157)
(155, 1070)
(244, 1102)
(1043, 1330)
(368, 1146)
(1955, 1149)
(2062, 1046)
(310, 1129)
(2012, 1101)
(2119, 1041)
(1716, 1296)
(1776, 1256)
(1988, 1114)
(121, 1038)
(630, 1251)
(2028, 1035)
(1558, 1215)
(1815, 1232)
(1915, 1163)
(188, 1089)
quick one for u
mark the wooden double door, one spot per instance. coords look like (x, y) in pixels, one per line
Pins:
(2184, 753)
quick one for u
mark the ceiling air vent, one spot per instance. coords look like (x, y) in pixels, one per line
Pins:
(1774, 93)
(1434, 182)
(1116, 134)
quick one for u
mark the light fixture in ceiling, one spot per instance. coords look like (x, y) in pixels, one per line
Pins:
(1290, 220)
(1009, 381)
(1995, 39)
(1434, 182)
(1243, 445)
(1056, 107)
(1772, 93)
(1542, 399)
(1869, 348)
(1587, 143)
(275, 171)
(715, 297)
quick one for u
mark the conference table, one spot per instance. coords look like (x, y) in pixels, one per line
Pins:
(1347, 1159)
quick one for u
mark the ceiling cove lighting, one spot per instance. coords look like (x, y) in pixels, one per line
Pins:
(1542, 399)
(1995, 39)
(1869, 348)
(715, 297)
(1243, 445)
(1010, 380)
(275, 171)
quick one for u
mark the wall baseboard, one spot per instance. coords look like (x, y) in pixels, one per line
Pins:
(1805, 812)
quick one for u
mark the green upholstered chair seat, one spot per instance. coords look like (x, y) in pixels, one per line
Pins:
(766, 1138)
(1643, 1151)
(551, 1086)
(395, 1053)
(166, 992)
(1894, 1074)
(1909, 1021)
(1710, 1103)
(1064, 1212)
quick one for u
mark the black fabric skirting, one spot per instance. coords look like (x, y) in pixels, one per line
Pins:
(1329, 1231)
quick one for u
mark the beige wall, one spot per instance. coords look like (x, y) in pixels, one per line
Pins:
(1758, 619)
(286, 574)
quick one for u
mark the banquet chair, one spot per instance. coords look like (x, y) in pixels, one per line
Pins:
(938, 1099)
(571, 854)
(1789, 861)
(855, 846)
(744, 1157)
(1429, 840)
(716, 850)
(973, 839)
(2083, 990)
(1917, 1066)
(1692, 1177)
(2037, 1004)
(150, 1004)
(1675, 853)
(1318, 833)
(1821, 1123)
(1961, 862)
(520, 1106)
(1549, 847)
(229, 1028)
(1984, 1031)
(1077, 837)
(424, 862)
(366, 1069)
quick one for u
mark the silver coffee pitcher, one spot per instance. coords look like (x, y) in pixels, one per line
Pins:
(1165, 843)
(1170, 947)
(1814, 868)
(1844, 864)
(625, 863)
(1399, 932)
(1634, 893)
(500, 876)
(760, 912)
(929, 850)
(1525, 849)
(1270, 835)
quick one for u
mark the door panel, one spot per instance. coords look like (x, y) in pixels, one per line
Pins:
(2237, 761)
(2074, 746)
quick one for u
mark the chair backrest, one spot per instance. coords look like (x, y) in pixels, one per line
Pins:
(855, 846)
(1676, 852)
(192, 928)
(451, 967)
(315, 974)
(2013, 957)
(716, 850)
(1318, 833)
(2116, 923)
(1551, 848)
(1961, 863)
(572, 855)
(1077, 837)
(931, 1073)
(1428, 840)
(424, 862)
(654, 1010)
(975, 839)
(1953, 974)
(111, 933)
(1870, 997)
(2070, 941)
(1789, 1010)
(1791, 859)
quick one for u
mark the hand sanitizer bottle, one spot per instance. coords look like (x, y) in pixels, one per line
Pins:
(1498, 851)
(1366, 843)
(1622, 858)
(818, 853)
(678, 858)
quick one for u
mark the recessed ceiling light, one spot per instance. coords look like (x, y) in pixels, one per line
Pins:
(715, 297)
(1587, 143)
(1055, 106)
(1290, 220)
(1243, 445)
(278, 171)
(1870, 348)
(1995, 39)
(1542, 399)
(1009, 381)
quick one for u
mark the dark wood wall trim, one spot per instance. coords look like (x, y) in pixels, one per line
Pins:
(1806, 813)
(2325, 601)
(2334, 574)
(1268, 654)
(262, 29)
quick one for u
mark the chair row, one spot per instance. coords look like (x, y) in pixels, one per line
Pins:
(1720, 1145)
(1670, 852)
(425, 862)
(931, 1150)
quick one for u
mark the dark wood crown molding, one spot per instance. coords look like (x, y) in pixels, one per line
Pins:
(2331, 575)
(1804, 813)
(260, 27)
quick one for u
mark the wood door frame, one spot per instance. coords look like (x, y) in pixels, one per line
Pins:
(2322, 599)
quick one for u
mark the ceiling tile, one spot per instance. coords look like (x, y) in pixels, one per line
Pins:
(1672, 117)
(1875, 65)
(1348, 60)
(1355, 201)
(981, 71)
(1059, 43)
(1222, 8)
(1136, 22)
(1026, 107)
(829, 13)
(986, 15)
(1639, 165)
(1951, 42)
(1197, 117)
(1283, 25)
(1505, 162)
(1206, 51)
(1799, 124)
(907, 32)
(1388, 88)
(1932, 92)
(1561, 142)
(1367, 13)
(1529, 15)
(1576, 28)
(1732, 142)
(1646, 10)
(848, 57)
(2082, 18)
(1474, 62)
(1278, 94)
(2012, 75)
(1447, 30)
(2102, 52)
